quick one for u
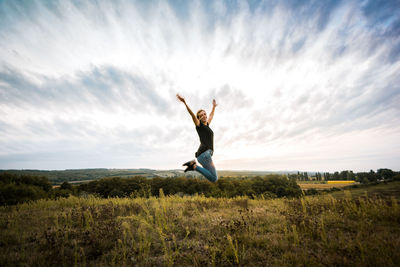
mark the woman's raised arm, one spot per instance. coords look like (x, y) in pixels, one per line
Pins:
(214, 103)
(194, 118)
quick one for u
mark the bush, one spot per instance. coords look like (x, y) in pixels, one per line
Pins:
(39, 181)
(271, 186)
(16, 189)
(311, 191)
(66, 186)
(396, 177)
(61, 193)
(11, 194)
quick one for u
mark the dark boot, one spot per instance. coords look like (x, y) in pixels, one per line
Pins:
(189, 163)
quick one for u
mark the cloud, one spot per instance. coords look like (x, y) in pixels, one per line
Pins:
(104, 88)
(100, 107)
(92, 74)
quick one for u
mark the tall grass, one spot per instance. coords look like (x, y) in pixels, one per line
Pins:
(200, 231)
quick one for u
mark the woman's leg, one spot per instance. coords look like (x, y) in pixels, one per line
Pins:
(208, 169)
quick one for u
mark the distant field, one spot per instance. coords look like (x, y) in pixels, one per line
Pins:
(341, 182)
(383, 190)
(312, 182)
(306, 186)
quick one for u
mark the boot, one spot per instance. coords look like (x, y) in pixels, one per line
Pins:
(189, 165)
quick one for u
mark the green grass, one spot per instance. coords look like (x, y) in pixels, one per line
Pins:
(345, 230)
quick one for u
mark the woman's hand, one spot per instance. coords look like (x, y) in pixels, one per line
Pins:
(214, 103)
(181, 98)
(194, 118)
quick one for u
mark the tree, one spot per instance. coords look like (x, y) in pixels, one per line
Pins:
(385, 174)
(351, 176)
(372, 177)
(336, 176)
(343, 175)
(11, 194)
(66, 186)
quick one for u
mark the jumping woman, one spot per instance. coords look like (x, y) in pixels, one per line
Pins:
(206, 148)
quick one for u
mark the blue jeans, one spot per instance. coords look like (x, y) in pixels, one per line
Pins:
(208, 169)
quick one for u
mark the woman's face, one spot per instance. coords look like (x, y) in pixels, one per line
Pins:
(203, 117)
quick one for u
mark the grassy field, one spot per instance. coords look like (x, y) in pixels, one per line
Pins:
(306, 186)
(383, 190)
(353, 228)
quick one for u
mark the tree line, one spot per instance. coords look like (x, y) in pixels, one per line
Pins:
(361, 177)
(16, 189)
(267, 186)
(60, 176)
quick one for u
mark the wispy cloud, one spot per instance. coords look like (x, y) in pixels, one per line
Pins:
(291, 78)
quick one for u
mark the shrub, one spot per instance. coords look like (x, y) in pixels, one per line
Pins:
(11, 194)
(16, 189)
(271, 186)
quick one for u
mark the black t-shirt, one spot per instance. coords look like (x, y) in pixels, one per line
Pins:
(206, 136)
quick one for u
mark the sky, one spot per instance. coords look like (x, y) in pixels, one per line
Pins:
(300, 85)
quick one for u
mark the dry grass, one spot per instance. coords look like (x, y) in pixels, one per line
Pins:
(382, 190)
(199, 231)
(322, 186)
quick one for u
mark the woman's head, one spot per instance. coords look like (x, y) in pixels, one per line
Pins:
(202, 116)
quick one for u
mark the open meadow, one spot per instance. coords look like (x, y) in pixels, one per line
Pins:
(320, 185)
(331, 229)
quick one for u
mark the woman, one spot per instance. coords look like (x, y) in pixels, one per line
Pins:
(206, 148)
